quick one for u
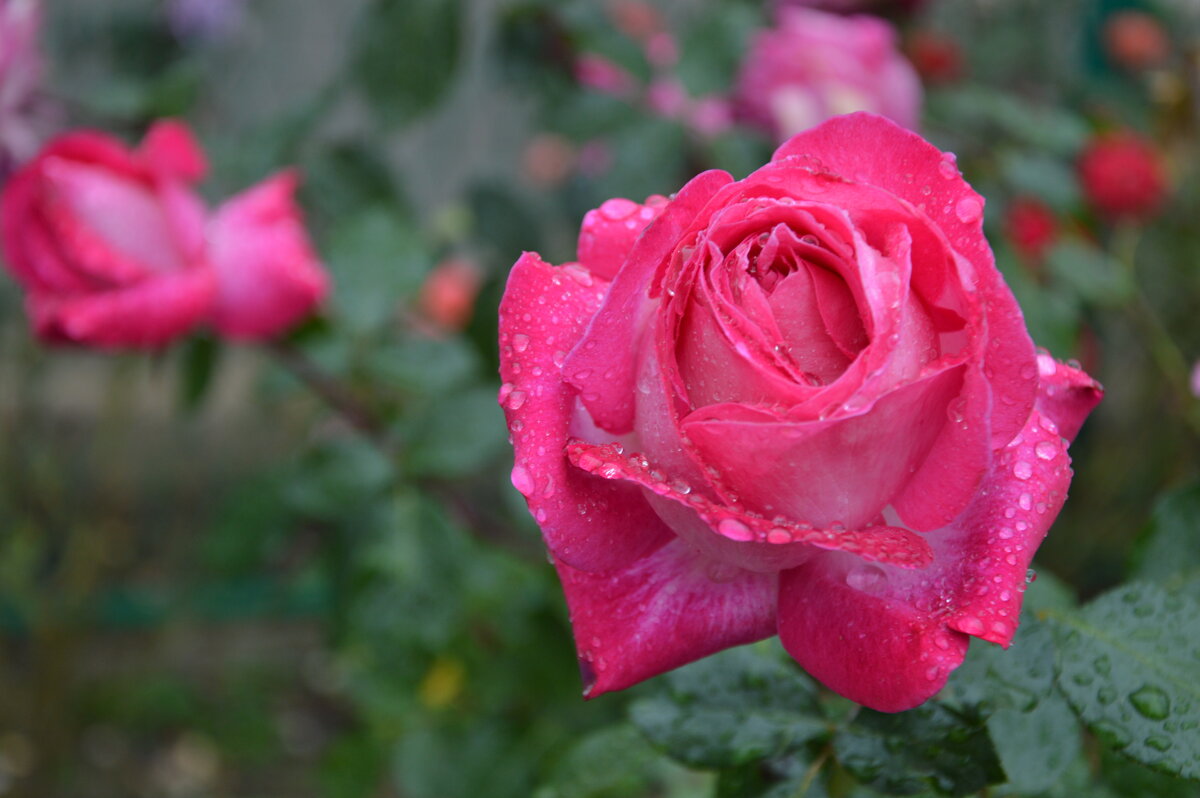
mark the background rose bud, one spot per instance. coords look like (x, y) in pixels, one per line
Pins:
(1136, 40)
(447, 297)
(24, 113)
(1122, 175)
(937, 58)
(268, 276)
(600, 74)
(1031, 227)
(789, 404)
(109, 242)
(814, 65)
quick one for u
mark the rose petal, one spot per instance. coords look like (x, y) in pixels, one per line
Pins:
(171, 148)
(609, 232)
(844, 469)
(870, 149)
(268, 276)
(1067, 395)
(662, 611)
(758, 543)
(603, 364)
(146, 315)
(871, 648)
(588, 523)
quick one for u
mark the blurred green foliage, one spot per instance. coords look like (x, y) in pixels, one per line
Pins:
(212, 584)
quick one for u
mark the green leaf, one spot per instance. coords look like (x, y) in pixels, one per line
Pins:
(1036, 747)
(1016, 678)
(408, 53)
(1169, 549)
(930, 746)
(1128, 664)
(613, 761)
(1089, 272)
(732, 708)
(458, 434)
(376, 259)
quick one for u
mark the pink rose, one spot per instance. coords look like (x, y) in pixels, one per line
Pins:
(815, 65)
(116, 249)
(802, 403)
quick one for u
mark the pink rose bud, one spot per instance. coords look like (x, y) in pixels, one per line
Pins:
(547, 160)
(791, 404)
(600, 74)
(710, 116)
(662, 51)
(635, 18)
(108, 241)
(814, 65)
(667, 97)
(447, 298)
(1123, 176)
(937, 57)
(1031, 227)
(1136, 40)
(268, 276)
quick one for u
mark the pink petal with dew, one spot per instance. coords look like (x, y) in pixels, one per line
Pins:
(588, 523)
(609, 232)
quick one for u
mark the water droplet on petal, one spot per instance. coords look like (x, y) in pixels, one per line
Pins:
(522, 480)
(968, 209)
(867, 578)
(1022, 470)
(516, 399)
(520, 342)
(1046, 450)
(734, 529)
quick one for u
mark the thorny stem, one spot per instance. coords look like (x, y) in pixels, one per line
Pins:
(1163, 350)
(335, 394)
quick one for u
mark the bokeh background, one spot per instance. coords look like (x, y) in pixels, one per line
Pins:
(213, 585)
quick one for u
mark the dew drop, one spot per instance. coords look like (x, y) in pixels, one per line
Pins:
(1046, 450)
(867, 578)
(734, 529)
(968, 209)
(520, 342)
(1151, 702)
(1022, 470)
(516, 399)
(522, 480)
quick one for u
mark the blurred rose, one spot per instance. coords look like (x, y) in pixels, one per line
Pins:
(447, 298)
(600, 74)
(936, 56)
(1122, 175)
(109, 242)
(547, 160)
(814, 65)
(268, 277)
(1195, 380)
(854, 6)
(1031, 227)
(634, 18)
(25, 114)
(1136, 40)
(710, 116)
(116, 249)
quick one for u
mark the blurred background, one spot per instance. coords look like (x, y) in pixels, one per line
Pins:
(211, 584)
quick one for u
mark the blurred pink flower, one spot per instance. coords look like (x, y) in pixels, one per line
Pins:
(710, 115)
(1195, 381)
(815, 65)
(204, 19)
(447, 299)
(854, 6)
(600, 74)
(25, 115)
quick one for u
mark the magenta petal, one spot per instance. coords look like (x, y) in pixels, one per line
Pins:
(171, 148)
(588, 523)
(746, 539)
(268, 276)
(875, 649)
(1067, 395)
(872, 150)
(603, 366)
(609, 232)
(662, 611)
(146, 315)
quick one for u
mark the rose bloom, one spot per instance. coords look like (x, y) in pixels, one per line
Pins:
(115, 249)
(801, 403)
(815, 65)
(1122, 175)
(1031, 227)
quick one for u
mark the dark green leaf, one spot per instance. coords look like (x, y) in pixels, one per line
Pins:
(458, 434)
(198, 364)
(732, 708)
(1036, 747)
(408, 52)
(930, 746)
(1089, 272)
(1169, 547)
(1128, 664)
(610, 762)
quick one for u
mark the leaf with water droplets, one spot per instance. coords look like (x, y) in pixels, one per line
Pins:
(741, 705)
(930, 746)
(1128, 664)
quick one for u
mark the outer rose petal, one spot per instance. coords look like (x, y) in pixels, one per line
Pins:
(588, 523)
(148, 314)
(267, 273)
(1067, 395)
(609, 232)
(603, 365)
(903, 623)
(662, 611)
(170, 147)
(872, 150)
